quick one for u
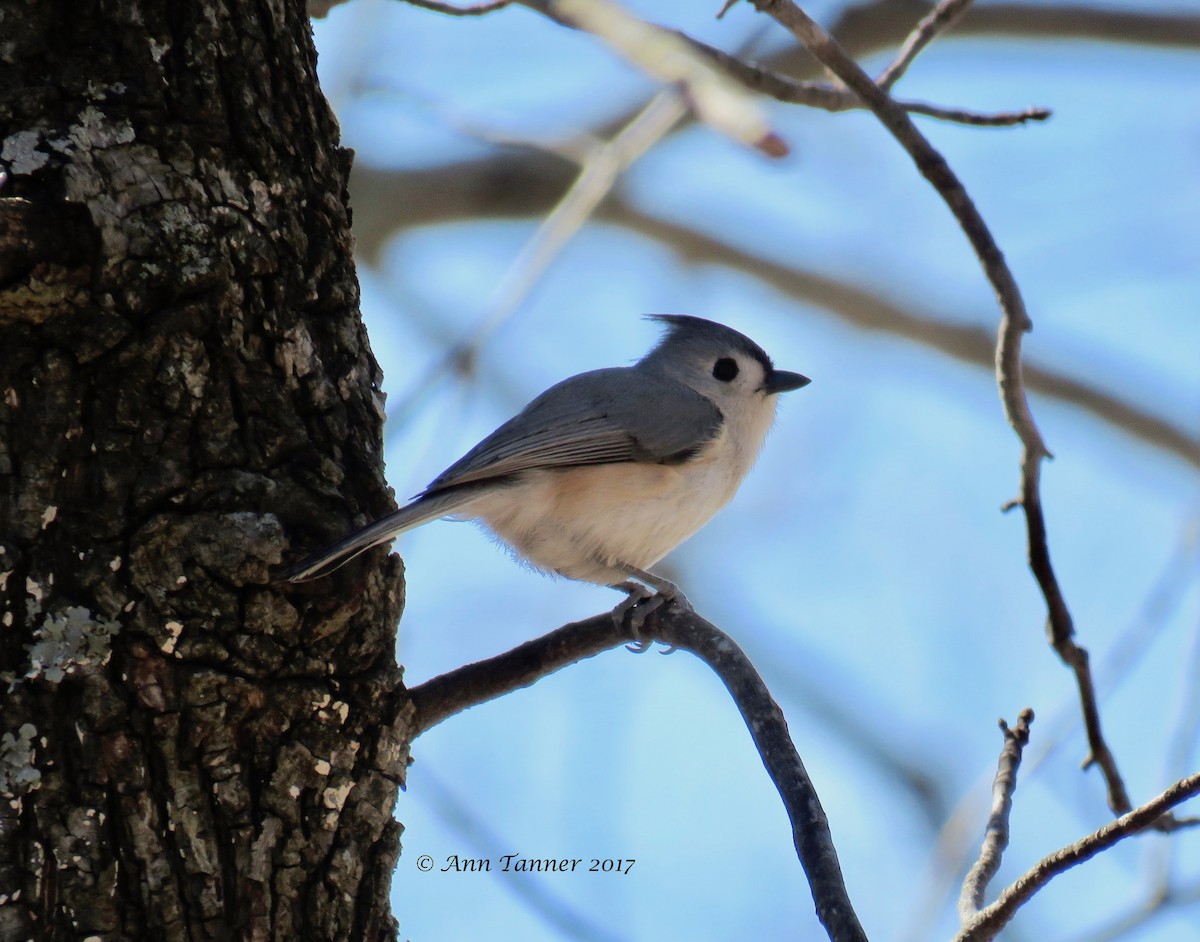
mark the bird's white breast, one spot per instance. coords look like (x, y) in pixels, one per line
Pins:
(593, 522)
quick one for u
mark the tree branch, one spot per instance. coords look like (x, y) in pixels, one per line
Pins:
(988, 923)
(464, 687)
(460, 689)
(826, 97)
(937, 20)
(995, 838)
(1014, 322)
(765, 720)
(832, 98)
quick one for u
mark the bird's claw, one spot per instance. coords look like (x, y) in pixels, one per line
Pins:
(636, 609)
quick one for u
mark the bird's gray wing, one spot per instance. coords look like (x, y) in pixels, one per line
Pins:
(615, 415)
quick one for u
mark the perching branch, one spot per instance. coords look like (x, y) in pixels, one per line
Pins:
(460, 689)
(995, 838)
(1014, 323)
(765, 720)
(988, 923)
(464, 687)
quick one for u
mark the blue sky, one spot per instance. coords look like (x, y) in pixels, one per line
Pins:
(865, 565)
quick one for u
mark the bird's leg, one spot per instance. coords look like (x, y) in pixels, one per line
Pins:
(666, 590)
(626, 613)
(640, 605)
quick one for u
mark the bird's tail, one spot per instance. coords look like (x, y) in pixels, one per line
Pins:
(336, 555)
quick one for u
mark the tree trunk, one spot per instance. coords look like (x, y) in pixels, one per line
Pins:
(186, 752)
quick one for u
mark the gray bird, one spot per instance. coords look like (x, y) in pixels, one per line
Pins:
(603, 474)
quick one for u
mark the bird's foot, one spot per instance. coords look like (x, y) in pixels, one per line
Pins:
(633, 612)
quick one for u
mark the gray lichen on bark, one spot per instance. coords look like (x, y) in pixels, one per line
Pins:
(185, 388)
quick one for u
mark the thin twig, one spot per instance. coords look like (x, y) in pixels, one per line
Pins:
(995, 917)
(997, 119)
(1014, 323)
(995, 838)
(822, 95)
(475, 9)
(458, 690)
(939, 19)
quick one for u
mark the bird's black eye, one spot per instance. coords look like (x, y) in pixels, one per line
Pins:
(725, 369)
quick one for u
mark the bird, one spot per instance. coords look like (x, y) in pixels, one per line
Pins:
(606, 472)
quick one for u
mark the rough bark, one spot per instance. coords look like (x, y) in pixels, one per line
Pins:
(186, 752)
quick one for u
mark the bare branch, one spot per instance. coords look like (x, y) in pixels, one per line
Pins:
(1014, 322)
(822, 95)
(995, 838)
(457, 690)
(988, 923)
(475, 9)
(764, 719)
(464, 687)
(872, 26)
(954, 846)
(998, 119)
(936, 21)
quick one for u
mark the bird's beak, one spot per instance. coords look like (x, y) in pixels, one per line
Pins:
(778, 381)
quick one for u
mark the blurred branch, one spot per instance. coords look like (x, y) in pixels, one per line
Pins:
(599, 172)
(1035, 20)
(1014, 322)
(870, 28)
(520, 183)
(1153, 907)
(848, 711)
(995, 838)
(553, 906)
(865, 310)
(988, 923)
(443, 696)
(723, 104)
